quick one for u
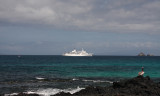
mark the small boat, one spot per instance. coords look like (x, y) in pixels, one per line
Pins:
(77, 53)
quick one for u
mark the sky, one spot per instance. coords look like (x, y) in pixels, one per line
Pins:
(102, 27)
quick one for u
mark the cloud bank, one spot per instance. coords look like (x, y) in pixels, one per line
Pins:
(84, 15)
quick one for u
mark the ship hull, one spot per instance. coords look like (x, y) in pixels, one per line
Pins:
(76, 55)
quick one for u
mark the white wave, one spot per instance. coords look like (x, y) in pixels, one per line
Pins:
(50, 91)
(102, 81)
(11, 94)
(97, 81)
(39, 78)
(87, 80)
(74, 79)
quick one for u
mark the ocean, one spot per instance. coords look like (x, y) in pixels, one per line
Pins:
(47, 75)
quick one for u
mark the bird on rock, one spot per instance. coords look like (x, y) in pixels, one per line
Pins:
(141, 73)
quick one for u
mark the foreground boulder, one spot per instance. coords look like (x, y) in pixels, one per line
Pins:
(138, 86)
(141, 86)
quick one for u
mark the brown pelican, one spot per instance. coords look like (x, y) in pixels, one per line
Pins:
(141, 73)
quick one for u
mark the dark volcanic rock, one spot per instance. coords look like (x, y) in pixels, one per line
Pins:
(138, 86)
(63, 94)
(137, 81)
(142, 86)
(91, 90)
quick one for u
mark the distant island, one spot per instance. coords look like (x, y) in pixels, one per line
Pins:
(142, 54)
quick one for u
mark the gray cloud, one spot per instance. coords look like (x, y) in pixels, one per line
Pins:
(86, 15)
(124, 48)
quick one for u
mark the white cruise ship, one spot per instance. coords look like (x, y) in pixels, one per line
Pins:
(77, 53)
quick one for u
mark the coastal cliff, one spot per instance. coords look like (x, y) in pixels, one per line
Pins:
(138, 86)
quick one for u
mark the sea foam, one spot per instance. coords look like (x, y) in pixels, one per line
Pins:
(50, 91)
(97, 81)
(39, 78)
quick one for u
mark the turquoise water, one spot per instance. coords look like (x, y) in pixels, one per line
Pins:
(20, 73)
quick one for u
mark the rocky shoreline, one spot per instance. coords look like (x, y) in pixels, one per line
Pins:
(138, 86)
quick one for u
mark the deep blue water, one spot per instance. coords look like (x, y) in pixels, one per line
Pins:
(22, 73)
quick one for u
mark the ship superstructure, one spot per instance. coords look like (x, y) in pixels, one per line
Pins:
(77, 53)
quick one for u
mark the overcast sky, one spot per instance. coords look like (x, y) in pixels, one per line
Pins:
(102, 27)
